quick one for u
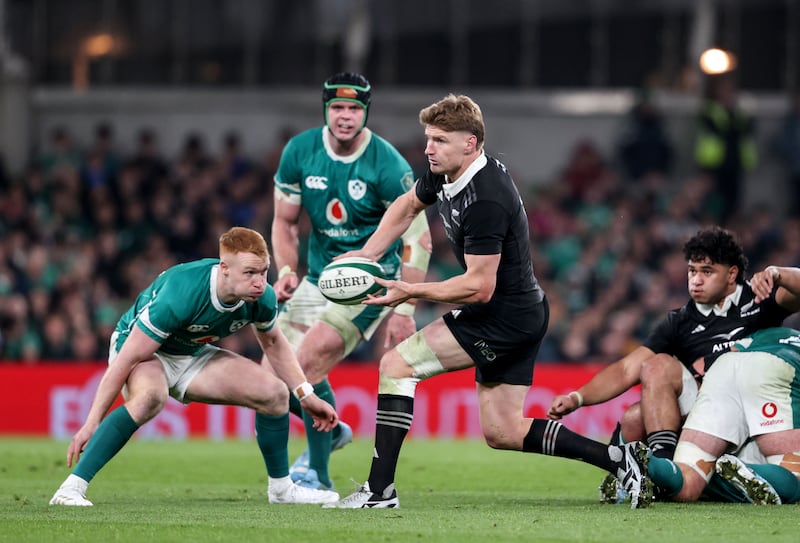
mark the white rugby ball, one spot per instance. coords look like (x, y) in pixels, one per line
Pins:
(349, 280)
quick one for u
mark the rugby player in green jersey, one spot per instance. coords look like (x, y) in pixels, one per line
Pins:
(163, 346)
(344, 176)
(750, 395)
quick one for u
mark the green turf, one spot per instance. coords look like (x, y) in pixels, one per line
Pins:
(450, 491)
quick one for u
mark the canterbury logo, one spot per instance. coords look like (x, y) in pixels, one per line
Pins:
(317, 182)
(730, 334)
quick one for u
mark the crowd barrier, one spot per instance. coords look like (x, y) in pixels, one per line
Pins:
(53, 399)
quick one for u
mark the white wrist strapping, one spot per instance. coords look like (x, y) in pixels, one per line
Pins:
(284, 271)
(303, 391)
(405, 309)
(578, 397)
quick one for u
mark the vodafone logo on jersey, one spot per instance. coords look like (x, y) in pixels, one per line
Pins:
(769, 411)
(335, 212)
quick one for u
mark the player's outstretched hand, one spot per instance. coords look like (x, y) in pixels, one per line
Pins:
(78, 444)
(396, 293)
(562, 405)
(285, 286)
(323, 413)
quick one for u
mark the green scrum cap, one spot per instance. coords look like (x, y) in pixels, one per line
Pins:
(348, 87)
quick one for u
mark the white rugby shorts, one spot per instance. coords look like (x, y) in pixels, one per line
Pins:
(744, 394)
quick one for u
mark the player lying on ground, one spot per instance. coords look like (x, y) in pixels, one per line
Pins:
(748, 405)
(670, 364)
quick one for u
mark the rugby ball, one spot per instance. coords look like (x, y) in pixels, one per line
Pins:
(349, 280)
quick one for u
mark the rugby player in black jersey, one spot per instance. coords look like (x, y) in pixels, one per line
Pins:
(499, 321)
(671, 362)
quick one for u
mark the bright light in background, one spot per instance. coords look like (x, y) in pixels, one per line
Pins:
(99, 45)
(94, 46)
(717, 61)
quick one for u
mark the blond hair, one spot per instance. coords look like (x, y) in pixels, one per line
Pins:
(455, 114)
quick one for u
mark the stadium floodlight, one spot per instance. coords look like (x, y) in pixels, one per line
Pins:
(94, 46)
(717, 61)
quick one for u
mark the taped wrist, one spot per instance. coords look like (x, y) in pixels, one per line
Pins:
(417, 244)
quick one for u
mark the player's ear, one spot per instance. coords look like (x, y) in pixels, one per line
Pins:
(471, 144)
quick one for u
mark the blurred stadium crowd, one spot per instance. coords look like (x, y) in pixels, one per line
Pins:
(86, 229)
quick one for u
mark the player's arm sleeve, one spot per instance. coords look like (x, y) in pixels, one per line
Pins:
(266, 311)
(288, 177)
(157, 319)
(485, 227)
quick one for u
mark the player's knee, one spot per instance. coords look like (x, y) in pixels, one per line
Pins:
(315, 371)
(318, 357)
(273, 398)
(146, 404)
(393, 366)
(693, 485)
(632, 424)
(697, 467)
(499, 440)
(660, 369)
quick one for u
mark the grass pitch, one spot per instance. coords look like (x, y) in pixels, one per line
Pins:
(450, 491)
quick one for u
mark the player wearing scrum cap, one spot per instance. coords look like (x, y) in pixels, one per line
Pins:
(343, 176)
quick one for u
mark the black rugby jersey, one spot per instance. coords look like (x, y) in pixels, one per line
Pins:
(484, 215)
(688, 334)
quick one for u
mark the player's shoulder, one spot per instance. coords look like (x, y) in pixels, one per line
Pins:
(187, 276)
(306, 139)
(386, 152)
(268, 300)
(493, 183)
(683, 314)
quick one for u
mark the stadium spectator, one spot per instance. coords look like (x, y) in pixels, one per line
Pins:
(102, 163)
(151, 198)
(725, 148)
(585, 168)
(161, 348)
(787, 145)
(644, 147)
(341, 176)
(500, 321)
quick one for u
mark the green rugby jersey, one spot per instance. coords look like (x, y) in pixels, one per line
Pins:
(782, 342)
(181, 310)
(344, 197)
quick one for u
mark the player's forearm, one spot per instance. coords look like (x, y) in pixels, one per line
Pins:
(107, 391)
(461, 289)
(788, 278)
(280, 356)
(615, 378)
(601, 388)
(417, 247)
(393, 225)
(285, 244)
